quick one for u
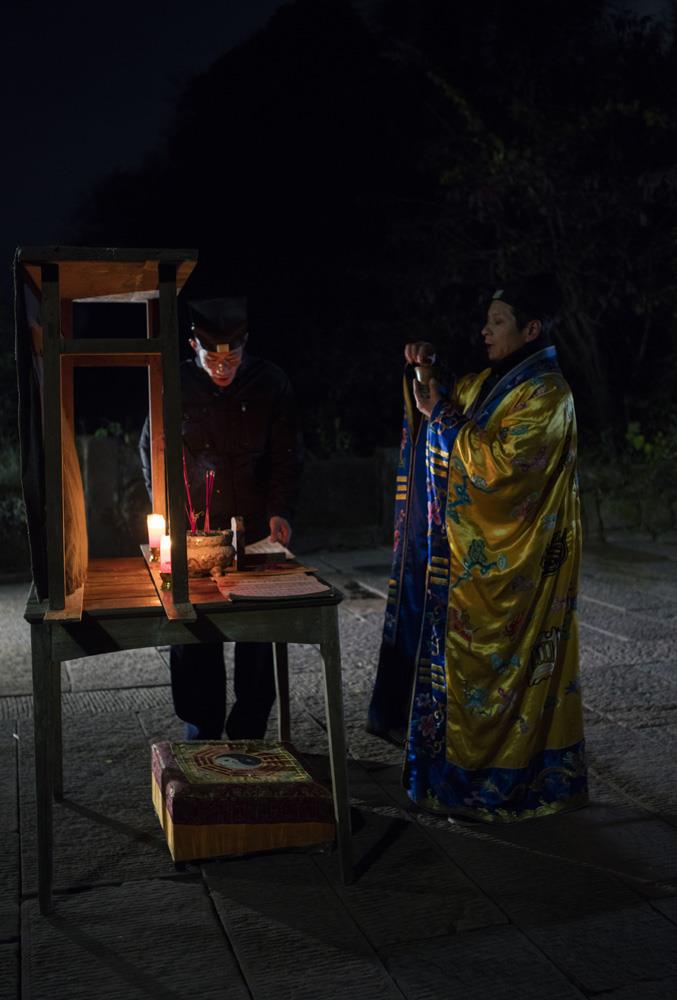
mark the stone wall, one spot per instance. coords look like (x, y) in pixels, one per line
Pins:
(345, 502)
(116, 501)
(635, 499)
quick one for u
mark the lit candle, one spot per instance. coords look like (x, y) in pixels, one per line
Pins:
(165, 554)
(156, 529)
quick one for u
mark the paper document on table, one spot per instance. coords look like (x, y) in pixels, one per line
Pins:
(267, 547)
(291, 585)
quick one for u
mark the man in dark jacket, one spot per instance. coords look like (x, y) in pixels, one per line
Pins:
(238, 421)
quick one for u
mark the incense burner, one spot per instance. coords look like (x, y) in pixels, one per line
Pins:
(209, 552)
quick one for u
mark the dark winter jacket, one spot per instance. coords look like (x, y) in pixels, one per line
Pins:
(248, 434)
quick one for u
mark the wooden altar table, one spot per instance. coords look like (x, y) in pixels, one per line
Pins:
(121, 610)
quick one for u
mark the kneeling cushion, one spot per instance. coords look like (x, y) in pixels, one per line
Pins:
(236, 797)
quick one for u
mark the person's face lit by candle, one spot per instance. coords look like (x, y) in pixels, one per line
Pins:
(220, 365)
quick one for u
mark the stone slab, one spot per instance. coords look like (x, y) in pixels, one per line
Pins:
(496, 962)
(386, 777)
(668, 907)
(376, 560)
(293, 938)
(105, 830)
(9, 971)
(660, 720)
(89, 703)
(9, 814)
(534, 885)
(157, 939)
(650, 599)
(114, 701)
(619, 840)
(370, 748)
(404, 884)
(651, 605)
(613, 949)
(126, 669)
(9, 886)
(614, 838)
(625, 687)
(15, 642)
(307, 734)
(160, 723)
(560, 881)
(16, 669)
(587, 922)
(665, 989)
(636, 764)
(16, 707)
(9, 833)
(613, 649)
(633, 623)
(17, 678)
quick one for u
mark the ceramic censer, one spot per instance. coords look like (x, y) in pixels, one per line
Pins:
(209, 552)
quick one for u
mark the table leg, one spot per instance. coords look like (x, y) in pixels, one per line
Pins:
(282, 688)
(43, 721)
(331, 655)
(57, 748)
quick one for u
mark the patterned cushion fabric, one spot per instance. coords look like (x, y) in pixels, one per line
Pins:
(225, 797)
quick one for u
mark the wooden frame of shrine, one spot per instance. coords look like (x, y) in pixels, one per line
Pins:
(58, 277)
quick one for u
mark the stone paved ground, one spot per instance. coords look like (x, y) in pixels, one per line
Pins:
(583, 905)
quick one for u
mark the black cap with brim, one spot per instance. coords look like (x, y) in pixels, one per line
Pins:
(219, 323)
(533, 297)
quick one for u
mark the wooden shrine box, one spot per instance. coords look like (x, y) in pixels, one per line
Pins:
(48, 281)
(220, 798)
(80, 607)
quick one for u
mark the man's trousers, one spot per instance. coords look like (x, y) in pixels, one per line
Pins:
(199, 689)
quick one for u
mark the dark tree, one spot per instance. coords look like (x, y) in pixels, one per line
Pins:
(365, 180)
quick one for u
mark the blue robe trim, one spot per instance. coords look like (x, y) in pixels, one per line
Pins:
(388, 715)
(552, 778)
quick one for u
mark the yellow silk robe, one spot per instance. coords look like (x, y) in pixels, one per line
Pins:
(496, 725)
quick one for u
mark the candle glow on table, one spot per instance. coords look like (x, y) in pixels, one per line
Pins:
(165, 554)
(156, 529)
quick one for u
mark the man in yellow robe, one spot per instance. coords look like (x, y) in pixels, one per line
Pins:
(495, 717)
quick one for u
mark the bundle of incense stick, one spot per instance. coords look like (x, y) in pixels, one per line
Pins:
(192, 516)
(209, 489)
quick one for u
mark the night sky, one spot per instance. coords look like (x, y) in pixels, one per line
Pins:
(93, 87)
(90, 89)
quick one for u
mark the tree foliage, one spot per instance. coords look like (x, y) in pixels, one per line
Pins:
(366, 181)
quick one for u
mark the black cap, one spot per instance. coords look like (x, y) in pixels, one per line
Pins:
(535, 296)
(219, 323)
